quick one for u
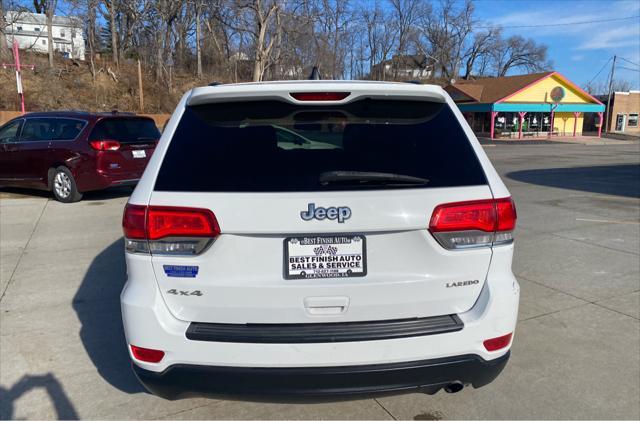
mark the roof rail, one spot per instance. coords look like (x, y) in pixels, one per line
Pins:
(215, 83)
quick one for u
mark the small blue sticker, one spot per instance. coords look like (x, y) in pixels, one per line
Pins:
(180, 271)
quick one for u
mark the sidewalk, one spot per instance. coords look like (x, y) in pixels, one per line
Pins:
(578, 140)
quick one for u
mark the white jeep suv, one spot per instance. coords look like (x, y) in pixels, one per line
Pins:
(318, 238)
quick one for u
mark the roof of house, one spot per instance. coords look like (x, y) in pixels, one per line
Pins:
(492, 89)
(415, 61)
(14, 16)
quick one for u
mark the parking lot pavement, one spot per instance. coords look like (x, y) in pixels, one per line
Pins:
(576, 352)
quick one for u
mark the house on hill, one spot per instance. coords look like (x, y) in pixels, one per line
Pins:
(414, 66)
(533, 105)
(30, 30)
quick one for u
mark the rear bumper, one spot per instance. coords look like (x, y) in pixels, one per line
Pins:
(290, 383)
(103, 181)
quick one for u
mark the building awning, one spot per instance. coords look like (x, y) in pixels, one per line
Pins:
(541, 107)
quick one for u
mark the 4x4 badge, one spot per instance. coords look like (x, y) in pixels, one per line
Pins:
(341, 213)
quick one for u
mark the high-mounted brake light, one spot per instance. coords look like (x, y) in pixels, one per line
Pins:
(105, 145)
(147, 355)
(500, 342)
(320, 96)
(478, 223)
(168, 230)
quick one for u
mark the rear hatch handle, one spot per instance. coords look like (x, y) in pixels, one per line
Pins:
(324, 306)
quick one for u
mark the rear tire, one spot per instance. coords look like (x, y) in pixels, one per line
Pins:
(64, 186)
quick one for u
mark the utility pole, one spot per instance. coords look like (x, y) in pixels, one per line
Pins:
(613, 68)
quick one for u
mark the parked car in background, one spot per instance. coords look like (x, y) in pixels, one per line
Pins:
(72, 152)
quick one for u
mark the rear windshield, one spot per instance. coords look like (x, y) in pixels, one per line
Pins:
(126, 130)
(272, 146)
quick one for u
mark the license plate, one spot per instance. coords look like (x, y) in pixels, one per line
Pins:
(333, 256)
(140, 153)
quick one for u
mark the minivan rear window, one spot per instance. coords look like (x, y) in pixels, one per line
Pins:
(126, 130)
(273, 146)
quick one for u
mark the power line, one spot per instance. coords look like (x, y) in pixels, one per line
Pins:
(628, 68)
(560, 24)
(629, 61)
(599, 71)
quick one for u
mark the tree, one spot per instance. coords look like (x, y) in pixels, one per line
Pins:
(50, 10)
(602, 87)
(3, 36)
(480, 50)
(406, 14)
(380, 40)
(517, 51)
(264, 18)
(110, 15)
(198, 12)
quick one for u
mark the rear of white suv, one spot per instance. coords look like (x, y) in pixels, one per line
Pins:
(318, 238)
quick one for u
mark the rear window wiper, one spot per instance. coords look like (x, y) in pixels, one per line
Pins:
(373, 177)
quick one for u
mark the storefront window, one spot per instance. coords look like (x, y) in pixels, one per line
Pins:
(633, 120)
(533, 123)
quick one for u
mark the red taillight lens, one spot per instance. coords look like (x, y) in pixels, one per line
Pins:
(133, 222)
(155, 222)
(483, 215)
(168, 230)
(500, 342)
(320, 96)
(147, 355)
(478, 223)
(180, 222)
(105, 145)
(478, 215)
(506, 210)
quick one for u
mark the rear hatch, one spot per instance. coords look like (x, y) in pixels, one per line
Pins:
(323, 210)
(124, 145)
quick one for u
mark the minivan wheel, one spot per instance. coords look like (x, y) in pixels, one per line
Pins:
(64, 186)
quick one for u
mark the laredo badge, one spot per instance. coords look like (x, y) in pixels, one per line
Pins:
(461, 283)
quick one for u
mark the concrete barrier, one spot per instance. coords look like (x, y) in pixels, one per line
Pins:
(160, 119)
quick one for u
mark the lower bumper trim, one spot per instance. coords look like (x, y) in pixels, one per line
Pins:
(275, 384)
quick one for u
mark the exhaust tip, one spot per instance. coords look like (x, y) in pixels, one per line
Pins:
(454, 387)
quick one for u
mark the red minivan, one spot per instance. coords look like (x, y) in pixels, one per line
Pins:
(69, 152)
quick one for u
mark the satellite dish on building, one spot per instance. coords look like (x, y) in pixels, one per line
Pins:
(453, 81)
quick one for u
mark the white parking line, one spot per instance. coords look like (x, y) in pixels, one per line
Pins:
(608, 221)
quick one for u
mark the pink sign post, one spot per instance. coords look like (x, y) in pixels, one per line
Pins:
(18, 66)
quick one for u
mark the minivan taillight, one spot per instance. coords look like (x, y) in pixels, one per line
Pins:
(168, 230)
(105, 145)
(478, 223)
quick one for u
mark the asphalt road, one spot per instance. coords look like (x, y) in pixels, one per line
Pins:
(576, 352)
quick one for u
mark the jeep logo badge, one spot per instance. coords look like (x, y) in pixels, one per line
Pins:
(341, 213)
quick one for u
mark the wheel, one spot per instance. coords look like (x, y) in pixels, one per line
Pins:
(64, 186)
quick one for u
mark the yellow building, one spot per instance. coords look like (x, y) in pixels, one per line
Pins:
(523, 106)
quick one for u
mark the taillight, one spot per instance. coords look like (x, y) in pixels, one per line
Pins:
(105, 145)
(320, 96)
(479, 223)
(168, 230)
(500, 342)
(146, 354)
(133, 222)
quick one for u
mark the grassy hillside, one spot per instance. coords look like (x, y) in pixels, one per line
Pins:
(70, 86)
